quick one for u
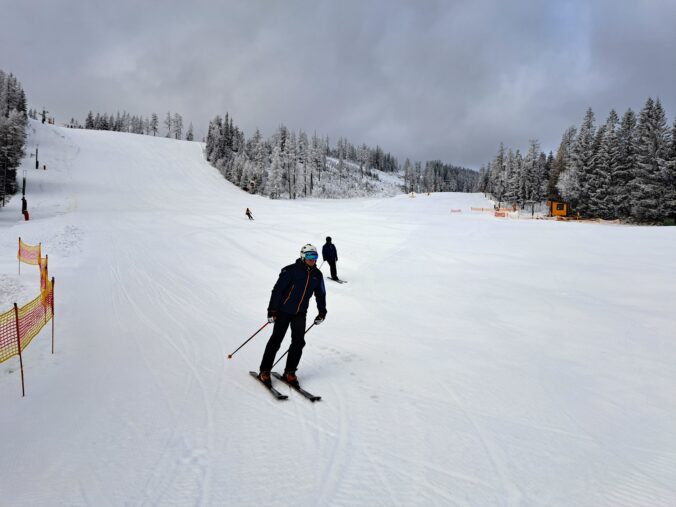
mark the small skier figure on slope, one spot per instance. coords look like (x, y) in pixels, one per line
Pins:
(330, 255)
(288, 306)
(248, 213)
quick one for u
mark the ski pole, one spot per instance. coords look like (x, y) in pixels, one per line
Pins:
(320, 266)
(242, 345)
(287, 350)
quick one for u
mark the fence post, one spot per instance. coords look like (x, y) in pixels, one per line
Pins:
(18, 342)
(52, 315)
(19, 255)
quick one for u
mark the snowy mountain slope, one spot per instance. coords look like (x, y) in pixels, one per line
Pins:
(468, 361)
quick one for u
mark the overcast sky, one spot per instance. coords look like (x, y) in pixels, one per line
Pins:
(445, 80)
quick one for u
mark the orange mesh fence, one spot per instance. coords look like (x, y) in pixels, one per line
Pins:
(34, 315)
(482, 209)
(8, 342)
(29, 254)
(32, 318)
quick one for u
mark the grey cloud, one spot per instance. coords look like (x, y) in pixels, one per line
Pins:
(425, 79)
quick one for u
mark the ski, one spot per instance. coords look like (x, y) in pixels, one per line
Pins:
(302, 391)
(274, 391)
(337, 281)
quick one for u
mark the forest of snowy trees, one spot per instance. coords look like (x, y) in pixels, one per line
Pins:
(13, 120)
(124, 122)
(439, 177)
(292, 165)
(623, 169)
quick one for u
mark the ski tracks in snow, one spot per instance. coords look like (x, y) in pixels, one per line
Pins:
(184, 449)
(512, 493)
(339, 455)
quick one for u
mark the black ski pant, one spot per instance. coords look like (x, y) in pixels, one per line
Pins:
(282, 323)
(334, 274)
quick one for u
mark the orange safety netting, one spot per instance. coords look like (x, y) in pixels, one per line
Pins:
(8, 342)
(29, 254)
(32, 317)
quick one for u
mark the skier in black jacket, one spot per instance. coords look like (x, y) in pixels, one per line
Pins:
(288, 306)
(330, 255)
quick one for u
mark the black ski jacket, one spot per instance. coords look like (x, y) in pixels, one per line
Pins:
(294, 288)
(329, 252)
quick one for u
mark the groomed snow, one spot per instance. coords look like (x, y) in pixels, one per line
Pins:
(469, 360)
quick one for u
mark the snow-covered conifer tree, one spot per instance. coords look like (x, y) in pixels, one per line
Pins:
(497, 175)
(670, 178)
(273, 187)
(408, 175)
(154, 123)
(623, 171)
(13, 120)
(258, 157)
(575, 185)
(511, 178)
(605, 165)
(169, 123)
(533, 174)
(177, 124)
(647, 197)
(561, 162)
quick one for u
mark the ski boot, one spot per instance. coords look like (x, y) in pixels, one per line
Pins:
(290, 378)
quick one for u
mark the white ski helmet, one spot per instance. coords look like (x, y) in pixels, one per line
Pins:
(309, 249)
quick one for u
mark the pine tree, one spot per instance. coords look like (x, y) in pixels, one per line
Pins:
(511, 177)
(154, 124)
(258, 156)
(622, 174)
(12, 142)
(647, 197)
(575, 187)
(497, 175)
(177, 124)
(408, 176)
(169, 123)
(274, 181)
(302, 163)
(533, 174)
(670, 178)
(598, 179)
(561, 163)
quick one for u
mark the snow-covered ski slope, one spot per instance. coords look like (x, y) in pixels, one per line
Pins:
(469, 361)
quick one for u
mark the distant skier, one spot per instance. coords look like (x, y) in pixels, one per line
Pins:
(330, 255)
(288, 306)
(248, 213)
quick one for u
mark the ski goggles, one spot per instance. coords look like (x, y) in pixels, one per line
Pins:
(311, 256)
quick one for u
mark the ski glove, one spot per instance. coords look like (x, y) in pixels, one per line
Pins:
(320, 318)
(272, 315)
